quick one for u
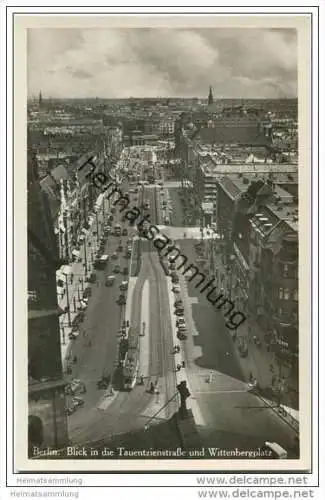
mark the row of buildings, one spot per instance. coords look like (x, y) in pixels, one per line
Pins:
(246, 189)
(61, 204)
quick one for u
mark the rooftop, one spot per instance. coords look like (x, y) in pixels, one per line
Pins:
(212, 168)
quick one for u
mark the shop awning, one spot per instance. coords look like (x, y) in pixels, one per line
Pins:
(66, 270)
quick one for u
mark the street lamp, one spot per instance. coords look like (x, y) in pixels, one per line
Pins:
(68, 302)
(230, 270)
(85, 256)
(63, 334)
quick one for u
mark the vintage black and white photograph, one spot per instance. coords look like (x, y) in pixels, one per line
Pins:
(164, 251)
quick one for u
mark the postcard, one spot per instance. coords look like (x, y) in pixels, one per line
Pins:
(162, 199)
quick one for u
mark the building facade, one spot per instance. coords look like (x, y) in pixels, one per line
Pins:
(47, 425)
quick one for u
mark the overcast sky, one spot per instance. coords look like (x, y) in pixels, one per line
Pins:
(110, 63)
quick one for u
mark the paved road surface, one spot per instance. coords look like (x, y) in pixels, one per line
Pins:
(128, 411)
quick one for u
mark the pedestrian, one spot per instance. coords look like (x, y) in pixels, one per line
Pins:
(227, 354)
(251, 377)
(75, 360)
(178, 367)
(183, 364)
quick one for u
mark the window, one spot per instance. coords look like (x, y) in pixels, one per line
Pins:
(280, 293)
(286, 294)
(285, 270)
(295, 294)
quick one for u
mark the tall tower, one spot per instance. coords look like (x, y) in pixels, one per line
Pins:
(40, 99)
(210, 98)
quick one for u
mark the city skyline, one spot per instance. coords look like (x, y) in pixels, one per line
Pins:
(119, 63)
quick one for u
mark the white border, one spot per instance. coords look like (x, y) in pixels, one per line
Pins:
(166, 479)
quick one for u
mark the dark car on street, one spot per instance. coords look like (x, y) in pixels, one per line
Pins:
(77, 402)
(78, 319)
(179, 312)
(87, 292)
(104, 381)
(121, 301)
(69, 410)
(181, 336)
(116, 269)
(125, 271)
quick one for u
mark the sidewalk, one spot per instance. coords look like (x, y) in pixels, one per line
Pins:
(76, 281)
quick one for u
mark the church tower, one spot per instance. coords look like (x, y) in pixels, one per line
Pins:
(40, 99)
(210, 98)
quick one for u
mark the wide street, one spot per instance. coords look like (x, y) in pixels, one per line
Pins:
(102, 417)
(226, 414)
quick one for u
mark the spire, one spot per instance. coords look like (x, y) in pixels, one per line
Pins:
(40, 99)
(210, 98)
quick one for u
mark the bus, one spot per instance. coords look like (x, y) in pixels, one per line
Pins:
(117, 230)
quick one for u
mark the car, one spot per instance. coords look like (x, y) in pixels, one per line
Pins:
(77, 402)
(178, 303)
(179, 312)
(69, 410)
(181, 336)
(76, 386)
(180, 322)
(176, 289)
(121, 301)
(110, 280)
(114, 256)
(87, 292)
(116, 269)
(172, 266)
(125, 271)
(124, 286)
(77, 320)
(175, 279)
(179, 308)
(124, 232)
(91, 277)
(104, 381)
